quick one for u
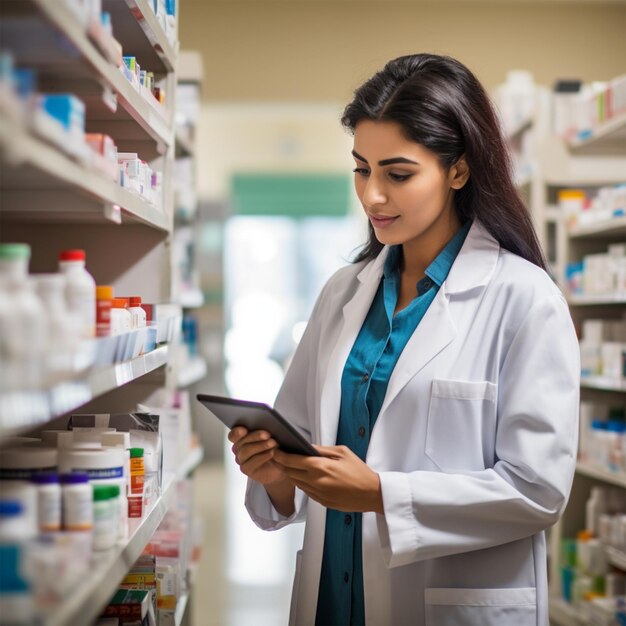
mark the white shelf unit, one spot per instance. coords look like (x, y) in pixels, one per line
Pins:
(28, 409)
(54, 199)
(593, 162)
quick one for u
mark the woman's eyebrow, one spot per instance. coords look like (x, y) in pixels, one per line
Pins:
(397, 160)
(391, 161)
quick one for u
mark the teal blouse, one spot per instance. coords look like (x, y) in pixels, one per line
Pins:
(363, 386)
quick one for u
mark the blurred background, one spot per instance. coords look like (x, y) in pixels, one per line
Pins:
(255, 209)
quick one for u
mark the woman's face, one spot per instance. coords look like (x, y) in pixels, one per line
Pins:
(403, 188)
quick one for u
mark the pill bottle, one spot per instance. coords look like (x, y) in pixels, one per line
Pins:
(80, 289)
(105, 516)
(16, 601)
(137, 312)
(139, 323)
(104, 304)
(63, 325)
(23, 323)
(121, 319)
(105, 466)
(48, 501)
(77, 501)
(137, 471)
(23, 462)
(121, 440)
(26, 494)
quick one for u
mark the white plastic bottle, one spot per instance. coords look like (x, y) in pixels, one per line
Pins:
(48, 501)
(63, 325)
(137, 313)
(80, 290)
(23, 327)
(77, 499)
(595, 507)
(139, 323)
(121, 319)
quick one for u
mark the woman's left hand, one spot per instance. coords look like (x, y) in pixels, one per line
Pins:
(337, 480)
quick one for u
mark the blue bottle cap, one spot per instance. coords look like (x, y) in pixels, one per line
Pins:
(10, 508)
(74, 478)
(45, 478)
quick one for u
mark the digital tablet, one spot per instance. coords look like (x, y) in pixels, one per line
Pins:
(258, 416)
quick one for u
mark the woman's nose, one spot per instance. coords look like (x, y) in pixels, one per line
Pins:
(373, 193)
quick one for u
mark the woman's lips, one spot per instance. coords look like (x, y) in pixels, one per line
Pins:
(381, 221)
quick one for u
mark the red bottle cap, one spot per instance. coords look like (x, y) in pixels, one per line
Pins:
(72, 255)
(134, 301)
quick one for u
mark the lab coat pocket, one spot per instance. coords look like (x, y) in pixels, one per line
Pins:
(481, 607)
(461, 425)
(296, 588)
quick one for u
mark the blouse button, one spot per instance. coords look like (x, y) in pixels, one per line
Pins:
(348, 519)
(362, 431)
(346, 577)
(366, 377)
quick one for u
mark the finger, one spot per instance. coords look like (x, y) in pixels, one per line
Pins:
(237, 433)
(249, 450)
(256, 462)
(252, 437)
(331, 452)
(298, 461)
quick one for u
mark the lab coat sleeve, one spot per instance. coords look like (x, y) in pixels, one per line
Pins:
(295, 401)
(431, 514)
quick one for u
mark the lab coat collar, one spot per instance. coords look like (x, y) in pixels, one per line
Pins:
(476, 262)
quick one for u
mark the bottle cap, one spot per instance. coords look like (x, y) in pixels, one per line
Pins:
(120, 303)
(10, 508)
(72, 255)
(13, 251)
(136, 453)
(45, 478)
(105, 492)
(135, 300)
(104, 292)
(74, 478)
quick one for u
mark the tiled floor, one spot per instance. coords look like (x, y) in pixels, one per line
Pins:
(245, 575)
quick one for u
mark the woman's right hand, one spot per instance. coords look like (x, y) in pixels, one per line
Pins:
(254, 451)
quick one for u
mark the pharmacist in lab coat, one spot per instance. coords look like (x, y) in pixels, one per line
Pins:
(438, 377)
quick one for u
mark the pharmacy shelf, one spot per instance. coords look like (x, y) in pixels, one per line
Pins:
(563, 614)
(616, 557)
(606, 228)
(609, 137)
(137, 28)
(599, 473)
(603, 383)
(51, 170)
(23, 410)
(192, 372)
(152, 120)
(596, 300)
(108, 570)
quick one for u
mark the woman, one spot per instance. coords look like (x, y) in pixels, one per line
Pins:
(438, 376)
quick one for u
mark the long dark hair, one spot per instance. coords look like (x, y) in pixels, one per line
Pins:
(441, 105)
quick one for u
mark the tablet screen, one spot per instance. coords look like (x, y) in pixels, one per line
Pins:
(258, 416)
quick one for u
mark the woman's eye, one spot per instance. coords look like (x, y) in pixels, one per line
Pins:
(398, 178)
(361, 171)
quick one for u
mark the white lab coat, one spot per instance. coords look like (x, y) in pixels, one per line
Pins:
(475, 443)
